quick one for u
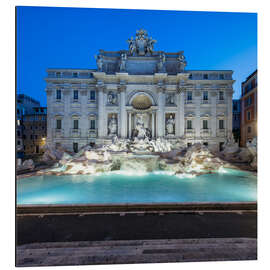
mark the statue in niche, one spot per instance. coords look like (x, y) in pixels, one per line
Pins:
(140, 131)
(99, 60)
(161, 63)
(112, 98)
(170, 125)
(123, 62)
(112, 126)
(170, 99)
(182, 62)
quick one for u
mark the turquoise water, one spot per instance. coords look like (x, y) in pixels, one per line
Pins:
(229, 186)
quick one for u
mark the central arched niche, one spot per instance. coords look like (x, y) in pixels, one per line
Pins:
(141, 102)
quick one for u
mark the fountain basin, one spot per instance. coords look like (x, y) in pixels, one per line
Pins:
(129, 187)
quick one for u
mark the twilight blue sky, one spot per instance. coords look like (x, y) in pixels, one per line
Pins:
(70, 37)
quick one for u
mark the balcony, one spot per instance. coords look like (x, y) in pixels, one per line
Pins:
(221, 101)
(205, 132)
(58, 133)
(92, 133)
(190, 132)
(221, 132)
(75, 132)
(189, 102)
(205, 102)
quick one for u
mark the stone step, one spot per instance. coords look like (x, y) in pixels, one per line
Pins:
(141, 251)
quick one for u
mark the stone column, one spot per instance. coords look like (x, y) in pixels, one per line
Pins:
(129, 124)
(197, 114)
(160, 114)
(213, 114)
(182, 114)
(66, 125)
(229, 113)
(101, 124)
(123, 120)
(153, 124)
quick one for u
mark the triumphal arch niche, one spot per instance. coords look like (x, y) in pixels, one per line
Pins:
(134, 86)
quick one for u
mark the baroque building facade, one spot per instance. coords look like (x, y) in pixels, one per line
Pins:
(138, 93)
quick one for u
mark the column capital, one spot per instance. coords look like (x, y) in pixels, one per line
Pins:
(100, 86)
(121, 87)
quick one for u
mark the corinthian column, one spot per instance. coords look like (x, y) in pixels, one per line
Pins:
(160, 112)
(123, 118)
(100, 88)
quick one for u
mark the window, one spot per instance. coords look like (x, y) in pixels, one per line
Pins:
(234, 107)
(205, 144)
(37, 149)
(189, 95)
(75, 74)
(92, 124)
(75, 147)
(190, 76)
(221, 124)
(58, 94)
(249, 129)
(205, 124)
(252, 83)
(36, 137)
(221, 95)
(42, 110)
(31, 127)
(75, 94)
(57, 145)
(92, 95)
(248, 115)
(221, 146)
(18, 133)
(31, 137)
(221, 76)
(43, 127)
(58, 74)
(205, 95)
(205, 76)
(58, 123)
(189, 124)
(18, 111)
(189, 144)
(19, 142)
(76, 124)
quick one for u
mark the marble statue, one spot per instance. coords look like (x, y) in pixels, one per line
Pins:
(170, 99)
(182, 62)
(112, 126)
(132, 46)
(112, 98)
(161, 63)
(170, 125)
(99, 62)
(123, 62)
(142, 44)
(140, 127)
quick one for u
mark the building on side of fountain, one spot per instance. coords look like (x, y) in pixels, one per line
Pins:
(249, 109)
(140, 93)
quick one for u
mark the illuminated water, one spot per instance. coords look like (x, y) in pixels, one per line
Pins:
(227, 186)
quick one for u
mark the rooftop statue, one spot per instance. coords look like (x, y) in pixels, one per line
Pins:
(142, 44)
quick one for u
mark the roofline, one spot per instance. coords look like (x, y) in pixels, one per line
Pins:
(250, 76)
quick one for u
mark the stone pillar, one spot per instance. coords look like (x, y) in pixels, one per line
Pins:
(229, 114)
(129, 124)
(101, 125)
(182, 114)
(153, 124)
(197, 114)
(66, 125)
(213, 114)
(123, 120)
(160, 114)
